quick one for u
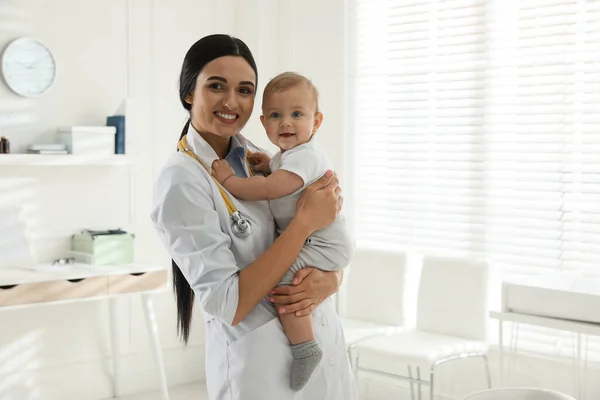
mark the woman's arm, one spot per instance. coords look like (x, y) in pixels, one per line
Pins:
(317, 208)
(188, 224)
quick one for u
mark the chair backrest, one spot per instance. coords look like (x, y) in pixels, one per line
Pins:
(519, 394)
(374, 289)
(453, 297)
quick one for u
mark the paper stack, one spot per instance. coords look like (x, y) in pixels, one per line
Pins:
(47, 148)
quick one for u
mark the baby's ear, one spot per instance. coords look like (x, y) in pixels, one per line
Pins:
(262, 121)
(317, 122)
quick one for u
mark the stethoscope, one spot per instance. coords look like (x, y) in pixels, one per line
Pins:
(240, 226)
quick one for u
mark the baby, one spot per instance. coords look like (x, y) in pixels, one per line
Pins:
(291, 117)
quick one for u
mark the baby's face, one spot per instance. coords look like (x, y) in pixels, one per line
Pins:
(290, 117)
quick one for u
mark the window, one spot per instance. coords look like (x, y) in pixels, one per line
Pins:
(477, 131)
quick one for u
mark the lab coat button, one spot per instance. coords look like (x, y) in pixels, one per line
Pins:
(324, 321)
(331, 361)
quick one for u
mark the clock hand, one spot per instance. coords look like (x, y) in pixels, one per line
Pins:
(27, 66)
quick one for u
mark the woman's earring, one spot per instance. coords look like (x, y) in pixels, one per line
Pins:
(188, 99)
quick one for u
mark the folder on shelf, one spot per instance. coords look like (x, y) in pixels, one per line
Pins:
(118, 121)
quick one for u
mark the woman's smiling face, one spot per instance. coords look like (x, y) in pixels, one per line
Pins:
(223, 97)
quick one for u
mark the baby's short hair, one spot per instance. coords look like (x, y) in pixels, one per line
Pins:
(286, 80)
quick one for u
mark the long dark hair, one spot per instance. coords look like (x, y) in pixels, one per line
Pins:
(201, 53)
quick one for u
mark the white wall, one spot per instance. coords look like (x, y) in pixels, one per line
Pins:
(105, 51)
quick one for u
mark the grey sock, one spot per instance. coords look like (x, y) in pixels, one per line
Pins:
(307, 357)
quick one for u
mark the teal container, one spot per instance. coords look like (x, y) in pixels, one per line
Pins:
(105, 247)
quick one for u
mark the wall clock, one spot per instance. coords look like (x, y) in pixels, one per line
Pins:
(28, 67)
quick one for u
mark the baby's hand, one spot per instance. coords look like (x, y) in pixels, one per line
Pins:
(221, 171)
(260, 162)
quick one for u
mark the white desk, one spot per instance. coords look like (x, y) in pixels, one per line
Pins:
(563, 300)
(580, 328)
(20, 287)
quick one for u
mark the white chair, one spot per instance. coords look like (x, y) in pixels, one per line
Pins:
(519, 394)
(451, 325)
(373, 292)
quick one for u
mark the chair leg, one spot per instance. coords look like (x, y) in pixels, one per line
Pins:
(488, 374)
(354, 366)
(412, 386)
(431, 383)
(419, 382)
(442, 361)
(352, 359)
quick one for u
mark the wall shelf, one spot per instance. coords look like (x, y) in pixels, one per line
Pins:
(61, 160)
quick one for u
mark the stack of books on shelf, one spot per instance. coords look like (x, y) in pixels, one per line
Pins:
(49, 148)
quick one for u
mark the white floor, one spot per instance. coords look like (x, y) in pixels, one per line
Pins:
(197, 391)
(194, 391)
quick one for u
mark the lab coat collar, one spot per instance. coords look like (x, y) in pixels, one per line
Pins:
(207, 154)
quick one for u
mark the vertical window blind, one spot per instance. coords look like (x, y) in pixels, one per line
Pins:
(476, 127)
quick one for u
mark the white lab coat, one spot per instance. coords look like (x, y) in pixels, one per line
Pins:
(250, 361)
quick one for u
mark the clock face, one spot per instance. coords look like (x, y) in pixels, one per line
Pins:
(28, 67)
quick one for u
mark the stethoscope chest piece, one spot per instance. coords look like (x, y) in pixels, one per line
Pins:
(240, 226)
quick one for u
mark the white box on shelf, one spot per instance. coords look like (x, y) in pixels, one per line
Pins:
(91, 140)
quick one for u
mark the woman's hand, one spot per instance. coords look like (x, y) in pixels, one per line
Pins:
(310, 287)
(320, 203)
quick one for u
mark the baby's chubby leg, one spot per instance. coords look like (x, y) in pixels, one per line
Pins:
(298, 329)
(305, 349)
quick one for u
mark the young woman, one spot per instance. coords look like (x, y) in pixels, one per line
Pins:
(224, 250)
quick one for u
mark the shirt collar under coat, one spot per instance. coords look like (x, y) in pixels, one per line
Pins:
(207, 154)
